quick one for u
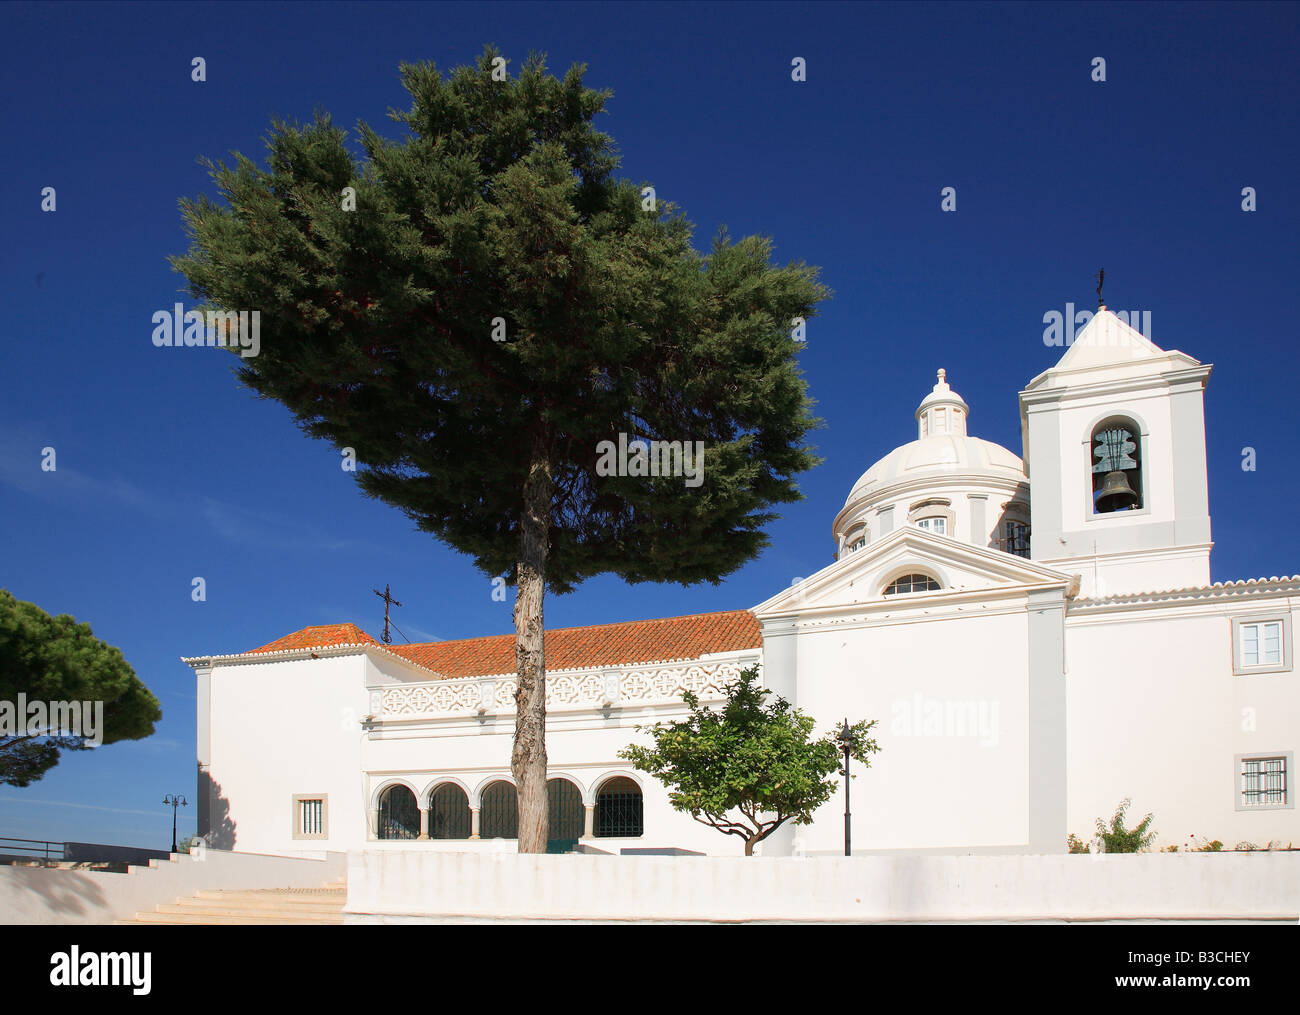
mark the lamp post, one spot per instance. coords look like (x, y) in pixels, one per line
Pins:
(175, 801)
(846, 743)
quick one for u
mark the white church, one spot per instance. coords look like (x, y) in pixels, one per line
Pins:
(1037, 636)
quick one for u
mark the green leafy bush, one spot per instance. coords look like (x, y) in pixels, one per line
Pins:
(1119, 839)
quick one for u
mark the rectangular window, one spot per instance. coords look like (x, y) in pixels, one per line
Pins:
(310, 817)
(1261, 644)
(936, 525)
(1264, 783)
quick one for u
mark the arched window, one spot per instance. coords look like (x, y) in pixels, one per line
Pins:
(448, 812)
(619, 809)
(935, 523)
(499, 817)
(399, 817)
(912, 583)
(566, 817)
(1116, 466)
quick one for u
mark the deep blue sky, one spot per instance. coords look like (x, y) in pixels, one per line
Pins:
(168, 469)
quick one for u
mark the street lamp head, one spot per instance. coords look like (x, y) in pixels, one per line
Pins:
(846, 737)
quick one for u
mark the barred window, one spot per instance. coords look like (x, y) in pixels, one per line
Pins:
(1264, 782)
(449, 812)
(566, 815)
(620, 811)
(499, 817)
(310, 816)
(399, 817)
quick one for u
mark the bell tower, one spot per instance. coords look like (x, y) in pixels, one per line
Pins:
(1114, 445)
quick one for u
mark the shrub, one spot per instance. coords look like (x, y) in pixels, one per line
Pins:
(1119, 839)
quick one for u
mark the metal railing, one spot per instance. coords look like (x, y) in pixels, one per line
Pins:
(32, 849)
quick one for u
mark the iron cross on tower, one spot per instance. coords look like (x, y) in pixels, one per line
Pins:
(388, 601)
(1101, 277)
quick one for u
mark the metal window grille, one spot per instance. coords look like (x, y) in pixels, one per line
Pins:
(399, 817)
(1018, 539)
(312, 816)
(499, 816)
(912, 583)
(1263, 782)
(566, 817)
(620, 811)
(449, 813)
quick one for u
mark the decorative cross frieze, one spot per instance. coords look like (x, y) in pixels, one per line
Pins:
(573, 691)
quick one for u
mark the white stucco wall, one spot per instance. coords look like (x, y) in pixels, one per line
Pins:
(939, 780)
(1156, 713)
(285, 728)
(391, 887)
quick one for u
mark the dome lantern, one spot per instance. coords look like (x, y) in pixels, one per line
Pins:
(942, 412)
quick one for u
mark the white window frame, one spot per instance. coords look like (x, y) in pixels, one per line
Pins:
(1288, 785)
(1239, 666)
(297, 814)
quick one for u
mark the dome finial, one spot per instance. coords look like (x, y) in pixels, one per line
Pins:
(942, 374)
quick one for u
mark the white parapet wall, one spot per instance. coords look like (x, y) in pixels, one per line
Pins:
(399, 887)
(41, 895)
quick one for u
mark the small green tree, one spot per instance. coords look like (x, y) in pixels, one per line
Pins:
(52, 659)
(750, 768)
(1119, 839)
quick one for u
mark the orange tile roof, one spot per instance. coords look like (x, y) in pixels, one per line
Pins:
(321, 636)
(637, 641)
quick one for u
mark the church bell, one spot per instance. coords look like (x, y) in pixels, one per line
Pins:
(1116, 494)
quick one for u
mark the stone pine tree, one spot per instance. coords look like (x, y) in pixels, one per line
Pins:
(750, 767)
(477, 307)
(55, 659)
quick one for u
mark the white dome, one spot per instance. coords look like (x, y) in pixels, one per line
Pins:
(934, 480)
(938, 455)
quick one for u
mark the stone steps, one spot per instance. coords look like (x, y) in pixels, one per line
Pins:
(253, 906)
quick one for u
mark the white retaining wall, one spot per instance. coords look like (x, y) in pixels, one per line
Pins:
(398, 887)
(40, 895)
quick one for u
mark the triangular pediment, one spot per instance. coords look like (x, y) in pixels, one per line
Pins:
(1108, 339)
(860, 578)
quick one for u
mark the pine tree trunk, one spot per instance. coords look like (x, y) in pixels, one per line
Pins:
(528, 759)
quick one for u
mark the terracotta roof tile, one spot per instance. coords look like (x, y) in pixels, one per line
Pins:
(637, 641)
(318, 637)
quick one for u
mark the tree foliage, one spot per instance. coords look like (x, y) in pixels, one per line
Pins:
(500, 207)
(751, 767)
(52, 659)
